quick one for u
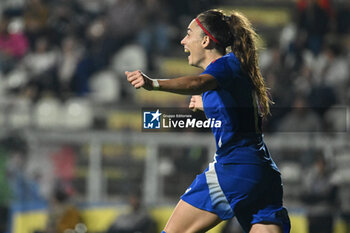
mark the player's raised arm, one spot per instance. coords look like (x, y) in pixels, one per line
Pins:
(187, 85)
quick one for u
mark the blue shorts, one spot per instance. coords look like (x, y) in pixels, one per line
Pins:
(253, 193)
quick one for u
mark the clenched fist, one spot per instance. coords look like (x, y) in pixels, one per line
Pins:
(138, 79)
(196, 103)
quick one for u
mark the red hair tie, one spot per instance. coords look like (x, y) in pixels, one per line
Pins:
(206, 32)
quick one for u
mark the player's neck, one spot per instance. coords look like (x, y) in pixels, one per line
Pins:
(211, 55)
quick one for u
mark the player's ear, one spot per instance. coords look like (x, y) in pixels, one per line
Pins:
(205, 41)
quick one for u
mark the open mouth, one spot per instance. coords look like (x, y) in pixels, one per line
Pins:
(187, 51)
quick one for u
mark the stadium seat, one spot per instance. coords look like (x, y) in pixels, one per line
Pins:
(335, 118)
(16, 25)
(3, 105)
(77, 114)
(47, 113)
(128, 58)
(105, 87)
(16, 79)
(291, 171)
(20, 113)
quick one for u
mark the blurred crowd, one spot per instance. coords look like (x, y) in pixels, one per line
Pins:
(73, 48)
(54, 47)
(62, 56)
(307, 68)
(64, 49)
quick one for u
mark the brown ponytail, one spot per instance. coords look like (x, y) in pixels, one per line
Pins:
(235, 31)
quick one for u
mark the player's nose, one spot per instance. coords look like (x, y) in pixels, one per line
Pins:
(182, 42)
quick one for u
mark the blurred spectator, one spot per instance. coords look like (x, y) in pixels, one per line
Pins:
(123, 22)
(5, 191)
(294, 56)
(13, 45)
(331, 69)
(277, 76)
(182, 11)
(68, 59)
(42, 59)
(24, 187)
(319, 196)
(40, 66)
(314, 19)
(344, 194)
(36, 14)
(12, 8)
(343, 18)
(154, 34)
(137, 220)
(341, 178)
(93, 59)
(321, 98)
(335, 119)
(301, 118)
(93, 8)
(66, 18)
(63, 214)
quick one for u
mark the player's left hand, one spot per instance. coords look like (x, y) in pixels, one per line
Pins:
(196, 103)
(138, 79)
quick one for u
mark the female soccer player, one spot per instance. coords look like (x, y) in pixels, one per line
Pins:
(243, 180)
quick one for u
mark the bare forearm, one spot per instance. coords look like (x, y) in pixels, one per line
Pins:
(188, 85)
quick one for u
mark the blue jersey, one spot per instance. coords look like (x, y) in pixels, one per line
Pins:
(233, 102)
(242, 181)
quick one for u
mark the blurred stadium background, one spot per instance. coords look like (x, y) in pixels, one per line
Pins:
(71, 124)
